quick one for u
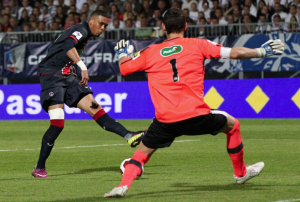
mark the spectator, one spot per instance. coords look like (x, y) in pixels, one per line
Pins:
(61, 14)
(32, 18)
(277, 26)
(128, 8)
(54, 35)
(14, 24)
(158, 32)
(232, 29)
(206, 10)
(262, 27)
(113, 33)
(203, 30)
(146, 8)
(176, 4)
(12, 38)
(24, 18)
(6, 10)
(103, 3)
(26, 6)
(246, 11)
(113, 9)
(36, 12)
(136, 5)
(72, 9)
(237, 14)
(253, 9)
(5, 22)
(188, 3)
(293, 13)
(86, 9)
(111, 23)
(278, 11)
(143, 32)
(157, 16)
(162, 6)
(60, 22)
(34, 26)
(260, 6)
(190, 31)
(83, 17)
(201, 15)
(219, 15)
(64, 6)
(51, 8)
(194, 13)
(92, 5)
(214, 8)
(79, 4)
(265, 11)
(215, 29)
(293, 25)
(27, 37)
(13, 8)
(200, 6)
(45, 16)
(246, 27)
(138, 21)
(186, 13)
(120, 5)
(154, 5)
(232, 4)
(101, 7)
(131, 17)
(128, 32)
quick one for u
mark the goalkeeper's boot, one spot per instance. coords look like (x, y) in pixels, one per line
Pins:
(252, 171)
(116, 192)
(39, 173)
(136, 138)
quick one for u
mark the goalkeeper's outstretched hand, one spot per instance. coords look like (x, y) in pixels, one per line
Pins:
(271, 47)
(123, 48)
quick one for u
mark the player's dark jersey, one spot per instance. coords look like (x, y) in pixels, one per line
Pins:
(57, 61)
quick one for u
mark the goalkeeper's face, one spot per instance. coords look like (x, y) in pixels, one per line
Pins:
(98, 25)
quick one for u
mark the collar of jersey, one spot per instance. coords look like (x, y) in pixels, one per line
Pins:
(172, 39)
(87, 27)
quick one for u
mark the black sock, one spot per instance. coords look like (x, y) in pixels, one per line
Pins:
(47, 144)
(109, 124)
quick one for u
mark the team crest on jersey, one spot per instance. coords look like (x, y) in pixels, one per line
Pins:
(136, 55)
(77, 34)
(167, 51)
(51, 94)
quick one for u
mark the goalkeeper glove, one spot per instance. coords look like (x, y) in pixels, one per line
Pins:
(123, 48)
(271, 47)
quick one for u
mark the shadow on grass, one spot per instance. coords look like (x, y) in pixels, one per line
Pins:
(91, 170)
(180, 189)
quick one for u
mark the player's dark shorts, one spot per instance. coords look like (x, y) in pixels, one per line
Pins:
(161, 135)
(59, 89)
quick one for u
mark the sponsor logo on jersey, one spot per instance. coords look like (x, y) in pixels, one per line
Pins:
(165, 52)
(77, 34)
(51, 94)
(136, 55)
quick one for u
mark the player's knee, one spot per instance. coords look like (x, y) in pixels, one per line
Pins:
(57, 117)
(231, 122)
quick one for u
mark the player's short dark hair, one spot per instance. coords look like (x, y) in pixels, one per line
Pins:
(174, 20)
(97, 13)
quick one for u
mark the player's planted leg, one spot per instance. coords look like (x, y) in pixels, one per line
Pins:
(133, 169)
(48, 140)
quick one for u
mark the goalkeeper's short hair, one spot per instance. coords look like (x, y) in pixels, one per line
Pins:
(174, 20)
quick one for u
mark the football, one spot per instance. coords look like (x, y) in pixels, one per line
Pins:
(123, 166)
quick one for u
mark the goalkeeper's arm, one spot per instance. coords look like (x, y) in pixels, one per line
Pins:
(269, 48)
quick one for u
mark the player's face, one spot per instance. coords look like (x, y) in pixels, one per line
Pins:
(98, 25)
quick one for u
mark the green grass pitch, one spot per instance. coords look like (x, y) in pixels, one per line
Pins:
(84, 164)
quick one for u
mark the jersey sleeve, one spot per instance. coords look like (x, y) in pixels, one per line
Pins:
(78, 35)
(209, 48)
(134, 64)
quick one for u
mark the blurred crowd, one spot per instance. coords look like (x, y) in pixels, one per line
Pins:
(218, 17)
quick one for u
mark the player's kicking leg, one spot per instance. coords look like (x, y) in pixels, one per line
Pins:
(133, 169)
(89, 105)
(56, 114)
(235, 149)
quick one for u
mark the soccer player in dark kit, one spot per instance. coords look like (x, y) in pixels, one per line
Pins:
(175, 77)
(60, 85)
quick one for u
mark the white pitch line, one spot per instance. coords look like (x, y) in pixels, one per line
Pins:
(88, 146)
(289, 200)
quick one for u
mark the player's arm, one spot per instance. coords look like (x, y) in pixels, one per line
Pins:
(70, 50)
(272, 47)
(128, 64)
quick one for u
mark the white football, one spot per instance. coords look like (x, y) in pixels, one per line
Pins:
(123, 166)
